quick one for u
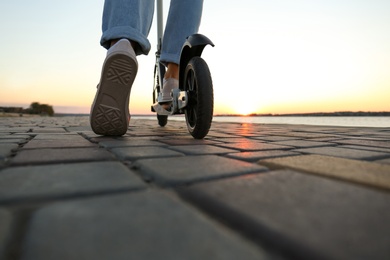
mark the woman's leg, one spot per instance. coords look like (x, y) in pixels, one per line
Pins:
(129, 19)
(183, 20)
(124, 22)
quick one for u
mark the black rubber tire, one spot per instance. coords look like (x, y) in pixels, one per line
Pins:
(162, 120)
(200, 108)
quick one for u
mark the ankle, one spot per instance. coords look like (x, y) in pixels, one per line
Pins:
(172, 71)
(113, 42)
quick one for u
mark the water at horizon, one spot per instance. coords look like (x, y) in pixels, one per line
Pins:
(355, 121)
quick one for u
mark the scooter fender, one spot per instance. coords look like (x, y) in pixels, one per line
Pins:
(193, 47)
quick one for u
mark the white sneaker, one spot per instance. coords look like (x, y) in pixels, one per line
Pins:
(168, 85)
(110, 109)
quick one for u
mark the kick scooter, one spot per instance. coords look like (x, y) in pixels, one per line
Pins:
(194, 97)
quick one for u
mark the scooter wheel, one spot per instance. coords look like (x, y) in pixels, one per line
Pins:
(162, 120)
(199, 86)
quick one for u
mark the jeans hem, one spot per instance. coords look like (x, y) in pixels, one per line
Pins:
(126, 32)
(170, 58)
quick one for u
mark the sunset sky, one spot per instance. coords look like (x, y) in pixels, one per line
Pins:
(277, 56)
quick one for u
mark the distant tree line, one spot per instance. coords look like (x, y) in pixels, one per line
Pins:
(35, 108)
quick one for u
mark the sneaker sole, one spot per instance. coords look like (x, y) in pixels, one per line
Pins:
(110, 111)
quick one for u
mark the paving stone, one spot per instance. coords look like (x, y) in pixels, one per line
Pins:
(326, 139)
(383, 144)
(255, 156)
(77, 141)
(105, 138)
(170, 130)
(6, 149)
(344, 152)
(135, 153)
(250, 134)
(12, 130)
(187, 141)
(333, 130)
(364, 137)
(213, 134)
(13, 141)
(382, 136)
(48, 130)
(231, 140)
(14, 136)
(150, 134)
(201, 149)
(255, 146)
(302, 143)
(189, 169)
(5, 229)
(366, 173)
(90, 134)
(304, 134)
(303, 216)
(64, 180)
(125, 143)
(142, 132)
(58, 136)
(24, 135)
(385, 161)
(368, 148)
(43, 156)
(247, 132)
(78, 128)
(143, 225)
(276, 138)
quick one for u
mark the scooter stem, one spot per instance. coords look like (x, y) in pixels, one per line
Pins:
(160, 23)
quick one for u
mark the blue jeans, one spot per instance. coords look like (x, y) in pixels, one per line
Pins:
(132, 19)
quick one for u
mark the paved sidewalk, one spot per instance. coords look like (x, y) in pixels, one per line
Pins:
(248, 191)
